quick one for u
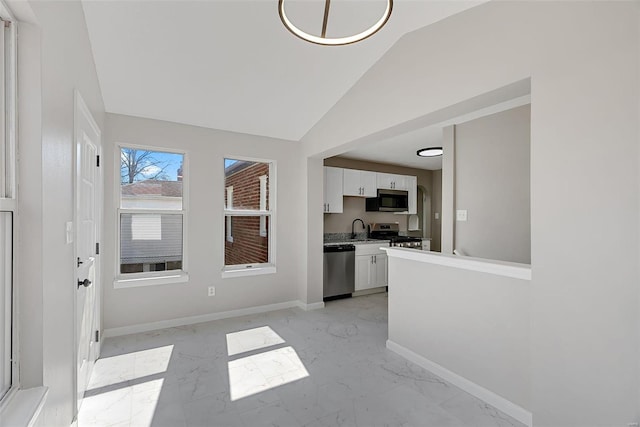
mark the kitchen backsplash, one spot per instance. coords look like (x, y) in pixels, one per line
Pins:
(354, 207)
(341, 237)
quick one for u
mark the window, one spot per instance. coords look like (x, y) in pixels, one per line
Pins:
(151, 214)
(249, 215)
(8, 329)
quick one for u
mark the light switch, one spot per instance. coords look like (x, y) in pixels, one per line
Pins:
(69, 232)
(461, 215)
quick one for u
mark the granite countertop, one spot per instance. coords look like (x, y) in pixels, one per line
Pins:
(355, 241)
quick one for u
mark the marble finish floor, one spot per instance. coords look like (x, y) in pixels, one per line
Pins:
(285, 368)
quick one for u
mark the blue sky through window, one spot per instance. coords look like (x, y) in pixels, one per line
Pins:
(159, 161)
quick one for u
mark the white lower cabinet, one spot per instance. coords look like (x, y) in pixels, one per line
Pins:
(371, 267)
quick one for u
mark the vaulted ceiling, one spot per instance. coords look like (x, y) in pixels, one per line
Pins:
(232, 65)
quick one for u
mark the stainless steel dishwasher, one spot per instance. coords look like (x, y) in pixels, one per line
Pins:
(339, 271)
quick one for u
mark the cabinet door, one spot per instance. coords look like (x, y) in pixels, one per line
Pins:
(384, 180)
(363, 272)
(412, 188)
(369, 184)
(402, 182)
(381, 270)
(333, 190)
(352, 185)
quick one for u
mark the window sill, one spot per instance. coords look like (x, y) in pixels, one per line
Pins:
(23, 407)
(255, 271)
(122, 283)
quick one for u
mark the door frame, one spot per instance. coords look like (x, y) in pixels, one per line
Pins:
(81, 108)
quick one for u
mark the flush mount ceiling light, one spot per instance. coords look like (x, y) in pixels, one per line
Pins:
(323, 39)
(430, 152)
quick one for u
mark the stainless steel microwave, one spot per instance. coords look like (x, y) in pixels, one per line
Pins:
(388, 201)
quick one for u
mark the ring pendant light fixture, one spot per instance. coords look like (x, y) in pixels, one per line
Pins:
(327, 41)
(430, 152)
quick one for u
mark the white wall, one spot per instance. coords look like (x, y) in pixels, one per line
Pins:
(474, 324)
(204, 176)
(66, 64)
(492, 158)
(582, 58)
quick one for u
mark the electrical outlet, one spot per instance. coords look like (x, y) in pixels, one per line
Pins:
(212, 291)
(461, 215)
(437, 215)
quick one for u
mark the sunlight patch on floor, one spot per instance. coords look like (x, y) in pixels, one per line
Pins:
(260, 372)
(252, 339)
(125, 367)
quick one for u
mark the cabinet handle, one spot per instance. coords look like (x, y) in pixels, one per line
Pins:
(328, 207)
(375, 259)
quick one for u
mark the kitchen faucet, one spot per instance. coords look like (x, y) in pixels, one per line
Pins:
(353, 233)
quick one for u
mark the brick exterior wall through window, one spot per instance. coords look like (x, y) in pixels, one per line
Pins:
(248, 245)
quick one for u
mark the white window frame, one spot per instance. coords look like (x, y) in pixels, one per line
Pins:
(152, 278)
(229, 206)
(8, 193)
(230, 271)
(263, 204)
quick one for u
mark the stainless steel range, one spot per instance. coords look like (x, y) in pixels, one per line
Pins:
(390, 231)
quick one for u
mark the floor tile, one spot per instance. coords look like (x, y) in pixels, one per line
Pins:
(288, 368)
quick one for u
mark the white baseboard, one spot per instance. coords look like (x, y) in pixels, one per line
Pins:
(312, 306)
(182, 321)
(499, 402)
(369, 291)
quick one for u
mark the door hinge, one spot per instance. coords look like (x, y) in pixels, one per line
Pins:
(97, 248)
(97, 336)
(98, 160)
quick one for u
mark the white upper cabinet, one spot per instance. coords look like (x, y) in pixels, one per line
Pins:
(385, 180)
(333, 178)
(359, 183)
(389, 181)
(340, 182)
(368, 180)
(411, 185)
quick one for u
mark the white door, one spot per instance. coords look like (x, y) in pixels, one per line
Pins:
(88, 191)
